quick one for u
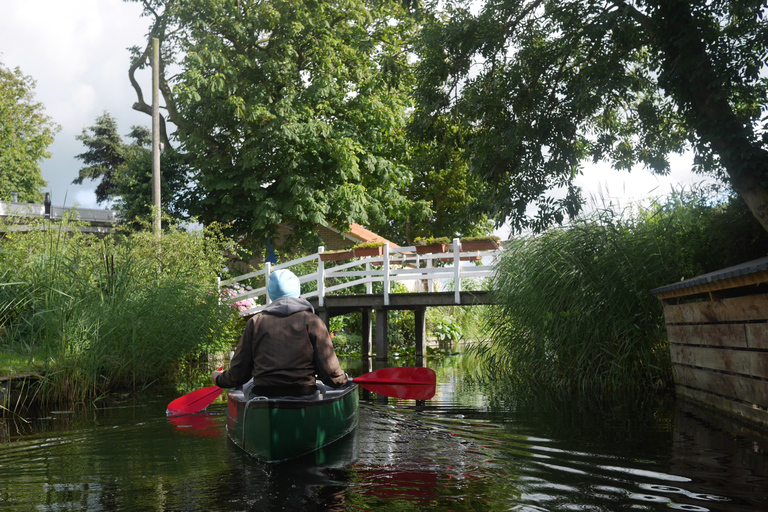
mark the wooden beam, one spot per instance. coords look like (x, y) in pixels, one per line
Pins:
(367, 332)
(382, 342)
(421, 331)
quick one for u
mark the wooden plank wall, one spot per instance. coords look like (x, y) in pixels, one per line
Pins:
(719, 353)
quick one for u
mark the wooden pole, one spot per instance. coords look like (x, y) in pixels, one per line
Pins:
(382, 343)
(156, 134)
(419, 315)
(367, 332)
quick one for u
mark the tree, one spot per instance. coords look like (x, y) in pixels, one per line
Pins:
(103, 158)
(291, 112)
(25, 134)
(133, 188)
(125, 170)
(443, 181)
(543, 86)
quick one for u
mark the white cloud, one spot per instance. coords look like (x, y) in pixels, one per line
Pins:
(602, 184)
(86, 199)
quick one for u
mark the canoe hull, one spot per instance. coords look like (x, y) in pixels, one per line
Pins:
(275, 430)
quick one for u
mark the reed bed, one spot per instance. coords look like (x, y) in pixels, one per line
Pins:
(111, 313)
(575, 310)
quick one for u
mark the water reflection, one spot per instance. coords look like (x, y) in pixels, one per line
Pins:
(469, 448)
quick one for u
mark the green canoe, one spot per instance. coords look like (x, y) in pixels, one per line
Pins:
(276, 430)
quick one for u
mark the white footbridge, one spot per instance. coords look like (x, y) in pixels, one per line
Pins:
(432, 279)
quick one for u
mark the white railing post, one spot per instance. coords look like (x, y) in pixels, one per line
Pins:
(369, 284)
(457, 270)
(320, 278)
(386, 274)
(430, 282)
(267, 271)
(218, 288)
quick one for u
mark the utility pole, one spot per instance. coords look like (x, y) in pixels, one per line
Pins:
(156, 134)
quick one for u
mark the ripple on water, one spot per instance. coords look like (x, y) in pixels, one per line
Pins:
(537, 473)
(461, 451)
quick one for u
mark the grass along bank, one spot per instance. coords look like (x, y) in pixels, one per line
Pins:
(94, 315)
(575, 310)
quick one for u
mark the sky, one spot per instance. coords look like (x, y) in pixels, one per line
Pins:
(76, 50)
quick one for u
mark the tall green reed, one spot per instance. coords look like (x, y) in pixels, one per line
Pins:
(114, 312)
(575, 310)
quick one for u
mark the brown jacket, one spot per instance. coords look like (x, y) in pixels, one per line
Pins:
(284, 346)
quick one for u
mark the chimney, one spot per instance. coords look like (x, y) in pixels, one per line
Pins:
(47, 203)
(14, 197)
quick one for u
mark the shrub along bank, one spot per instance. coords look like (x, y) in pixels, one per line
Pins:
(575, 310)
(93, 315)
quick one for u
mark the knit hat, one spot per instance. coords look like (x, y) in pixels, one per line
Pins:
(283, 283)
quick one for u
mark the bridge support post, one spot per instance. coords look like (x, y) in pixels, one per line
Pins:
(382, 343)
(367, 332)
(419, 316)
(325, 316)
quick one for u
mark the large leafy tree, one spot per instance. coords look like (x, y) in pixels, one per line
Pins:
(543, 86)
(291, 112)
(25, 134)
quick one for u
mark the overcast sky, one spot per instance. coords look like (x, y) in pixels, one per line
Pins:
(76, 50)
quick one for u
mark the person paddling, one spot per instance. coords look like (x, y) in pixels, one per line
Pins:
(284, 347)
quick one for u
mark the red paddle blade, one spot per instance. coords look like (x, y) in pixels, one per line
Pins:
(404, 391)
(409, 382)
(194, 402)
(404, 375)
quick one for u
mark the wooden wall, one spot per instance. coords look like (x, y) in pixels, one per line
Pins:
(719, 351)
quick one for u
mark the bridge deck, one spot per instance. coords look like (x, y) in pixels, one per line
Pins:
(335, 305)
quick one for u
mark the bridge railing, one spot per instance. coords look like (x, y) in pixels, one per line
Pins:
(394, 264)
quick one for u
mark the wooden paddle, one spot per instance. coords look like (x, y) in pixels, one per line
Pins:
(407, 382)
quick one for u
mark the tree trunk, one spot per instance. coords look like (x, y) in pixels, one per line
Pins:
(690, 76)
(756, 197)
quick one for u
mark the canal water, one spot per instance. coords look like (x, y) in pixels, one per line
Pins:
(472, 448)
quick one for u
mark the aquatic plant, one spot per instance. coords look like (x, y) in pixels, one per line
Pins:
(575, 310)
(112, 312)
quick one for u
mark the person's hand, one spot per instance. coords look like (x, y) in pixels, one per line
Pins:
(214, 375)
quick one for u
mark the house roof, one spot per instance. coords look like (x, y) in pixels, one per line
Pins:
(359, 234)
(99, 221)
(365, 235)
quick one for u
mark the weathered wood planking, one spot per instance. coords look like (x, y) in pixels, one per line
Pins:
(719, 335)
(741, 362)
(746, 389)
(737, 309)
(719, 347)
(757, 336)
(747, 411)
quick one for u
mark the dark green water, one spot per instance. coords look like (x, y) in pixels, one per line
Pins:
(467, 449)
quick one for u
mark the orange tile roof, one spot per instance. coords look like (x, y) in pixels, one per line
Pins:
(365, 235)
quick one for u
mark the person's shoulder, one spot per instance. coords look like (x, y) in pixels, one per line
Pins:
(253, 319)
